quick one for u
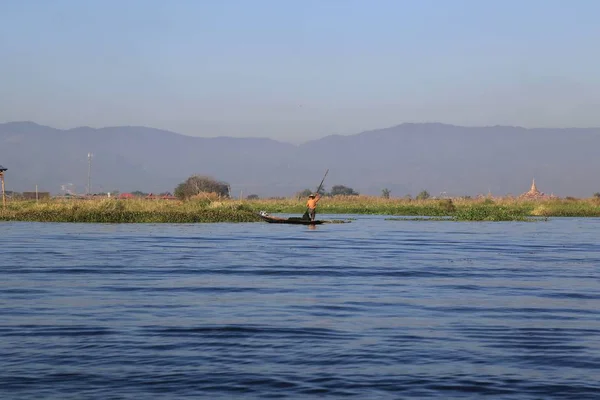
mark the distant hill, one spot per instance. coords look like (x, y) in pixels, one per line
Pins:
(406, 159)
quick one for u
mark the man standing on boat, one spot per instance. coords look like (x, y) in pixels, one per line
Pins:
(311, 204)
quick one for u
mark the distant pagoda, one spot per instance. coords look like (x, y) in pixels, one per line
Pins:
(534, 193)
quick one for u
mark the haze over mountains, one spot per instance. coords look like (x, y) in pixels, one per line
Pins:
(405, 159)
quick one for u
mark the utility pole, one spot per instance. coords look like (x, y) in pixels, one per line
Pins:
(89, 185)
(2, 170)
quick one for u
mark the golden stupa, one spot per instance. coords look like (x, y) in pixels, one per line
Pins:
(534, 193)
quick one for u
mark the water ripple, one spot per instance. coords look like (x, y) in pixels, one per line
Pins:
(374, 309)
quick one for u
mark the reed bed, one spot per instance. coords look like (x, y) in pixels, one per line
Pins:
(205, 209)
(463, 209)
(127, 211)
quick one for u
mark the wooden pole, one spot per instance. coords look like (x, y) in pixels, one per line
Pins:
(3, 194)
(321, 184)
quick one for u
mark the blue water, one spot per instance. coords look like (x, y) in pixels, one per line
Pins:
(373, 309)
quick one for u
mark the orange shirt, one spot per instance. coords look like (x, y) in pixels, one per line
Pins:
(312, 203)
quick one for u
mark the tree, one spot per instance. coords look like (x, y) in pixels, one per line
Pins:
(424, 195)
(304, 193)
(597, 195)
(197, 184)
(385, 193)
(341, 190)
(308, 192)
(252, 197)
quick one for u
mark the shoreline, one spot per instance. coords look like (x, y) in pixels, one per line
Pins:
(230, 210)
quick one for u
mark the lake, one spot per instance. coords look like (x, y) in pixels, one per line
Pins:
(373, 309)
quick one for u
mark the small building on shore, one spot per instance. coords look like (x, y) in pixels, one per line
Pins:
(35, 195)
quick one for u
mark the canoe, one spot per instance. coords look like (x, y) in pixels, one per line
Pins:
(292, 220)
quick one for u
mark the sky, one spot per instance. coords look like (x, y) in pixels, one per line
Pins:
(299, 70)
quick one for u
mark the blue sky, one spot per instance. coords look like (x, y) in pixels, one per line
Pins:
(298, 70)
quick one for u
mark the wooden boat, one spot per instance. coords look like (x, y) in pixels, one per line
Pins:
(292, 220)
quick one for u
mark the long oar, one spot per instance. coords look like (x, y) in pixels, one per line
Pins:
(323, 180)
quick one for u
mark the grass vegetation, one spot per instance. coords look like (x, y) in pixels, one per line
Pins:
(131, 210)
(206, 208)
(462, 209)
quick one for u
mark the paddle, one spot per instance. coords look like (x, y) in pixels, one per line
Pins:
(306, 216)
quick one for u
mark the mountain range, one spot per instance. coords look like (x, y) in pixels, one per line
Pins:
(406, 159)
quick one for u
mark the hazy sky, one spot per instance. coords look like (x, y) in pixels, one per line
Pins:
(298, 70)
